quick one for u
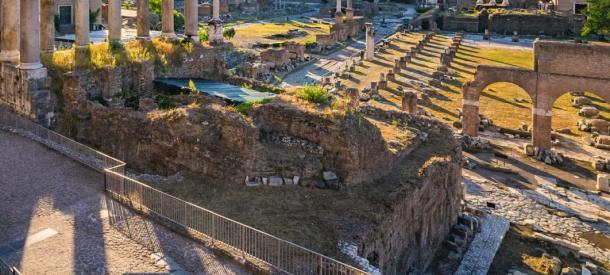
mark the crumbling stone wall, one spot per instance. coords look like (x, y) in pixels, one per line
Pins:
(354, 148)
(452, 23)
(529, 24)
(202, 62)
(421, 217)
(26, 92)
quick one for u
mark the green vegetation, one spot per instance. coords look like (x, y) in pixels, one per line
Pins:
(104, 55)
(314, 94)
(164, 102)
(422, 9)
(128, 96)
(228, 33)
(598, 18)
(93, 15)
(193, 88)
(245, 106)
(203, 35)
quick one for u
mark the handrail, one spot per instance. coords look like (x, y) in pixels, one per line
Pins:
(238, 238)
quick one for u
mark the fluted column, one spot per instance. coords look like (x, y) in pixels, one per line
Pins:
(167, 19)
(114, 20)
(143, 20)
(191, 14)
(81, 16)
(9, 45)
(47, 26)
(30, 35)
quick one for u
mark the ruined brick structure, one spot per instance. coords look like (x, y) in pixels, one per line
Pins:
(559, 67)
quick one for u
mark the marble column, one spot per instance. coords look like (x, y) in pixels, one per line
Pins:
(47, 26)
(167, 19)
(143, 20)
(338, 13)
(349, 11)
(216, 9)
(191, 14)
(114, 20)
(369, 53)
(215, 25)
(541, 124)
(30, 35)
(81, 16)
(9, 43)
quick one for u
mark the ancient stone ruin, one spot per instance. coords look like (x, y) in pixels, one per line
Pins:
(559, 67)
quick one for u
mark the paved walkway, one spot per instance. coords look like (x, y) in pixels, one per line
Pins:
(334, 62)
(55, 219)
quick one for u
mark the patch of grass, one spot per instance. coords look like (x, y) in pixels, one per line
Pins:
(251, 34)
(245, 106)
(314, 94)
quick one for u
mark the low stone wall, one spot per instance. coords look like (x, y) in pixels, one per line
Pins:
(422, 212)
(202, 62)
(452, 23)
(420, 218)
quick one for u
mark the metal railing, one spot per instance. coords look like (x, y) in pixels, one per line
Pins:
(6, 269)
(233, 237)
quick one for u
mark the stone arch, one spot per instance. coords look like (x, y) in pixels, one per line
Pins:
(549, 88)
(486, 75)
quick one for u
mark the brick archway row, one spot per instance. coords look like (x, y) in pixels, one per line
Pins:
(543, 89)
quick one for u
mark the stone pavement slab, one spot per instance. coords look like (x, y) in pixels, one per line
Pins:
(56, 219)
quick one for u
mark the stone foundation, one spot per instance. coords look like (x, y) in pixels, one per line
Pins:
(27, 92)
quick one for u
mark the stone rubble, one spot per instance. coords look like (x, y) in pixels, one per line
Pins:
(550, 157)
(473, 143)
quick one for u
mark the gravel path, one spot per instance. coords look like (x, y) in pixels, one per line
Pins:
(55, 219)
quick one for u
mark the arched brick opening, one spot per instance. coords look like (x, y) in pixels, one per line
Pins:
(485, 76)
(549, 88)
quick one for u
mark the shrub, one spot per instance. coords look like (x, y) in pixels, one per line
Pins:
(422, 9)
(314, 94)
(203, 35)
(228, 33)
(193, 88)
(245, 106)
(165, 102)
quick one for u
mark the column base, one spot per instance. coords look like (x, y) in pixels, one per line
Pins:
(10, 56)
(30, 66)
(215, 32)
(193, 38)
(339, 17)
(169, 35)
(349, 14)
(144, 38)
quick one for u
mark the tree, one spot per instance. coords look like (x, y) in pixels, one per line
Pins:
(228, 33)
(598, 18)
(93, 15)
